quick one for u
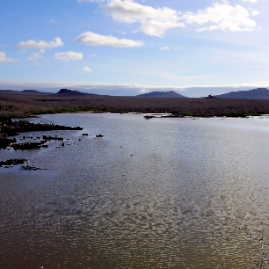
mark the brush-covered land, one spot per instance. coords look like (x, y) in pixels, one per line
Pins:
(20, 104)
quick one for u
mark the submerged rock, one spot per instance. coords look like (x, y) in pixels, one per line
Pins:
(29, 145)
(48, 138)
(29, 168)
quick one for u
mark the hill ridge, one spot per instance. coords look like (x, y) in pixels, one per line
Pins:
(159, 94)
(258, 93)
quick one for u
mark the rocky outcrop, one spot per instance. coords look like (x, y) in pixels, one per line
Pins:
(5, 142)
(9, 127)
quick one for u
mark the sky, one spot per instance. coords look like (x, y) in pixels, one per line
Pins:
(128, 47)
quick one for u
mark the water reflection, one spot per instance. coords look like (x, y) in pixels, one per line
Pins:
(165, 193)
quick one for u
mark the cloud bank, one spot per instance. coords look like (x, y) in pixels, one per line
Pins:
(156, 21)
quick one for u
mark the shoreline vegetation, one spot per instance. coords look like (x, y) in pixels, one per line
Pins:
(30, 103)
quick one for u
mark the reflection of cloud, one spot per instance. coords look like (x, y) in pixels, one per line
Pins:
(69, 55)
(32, 44)
(5, 60)
(89, 38)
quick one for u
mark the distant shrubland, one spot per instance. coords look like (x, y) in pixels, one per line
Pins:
(17, 104)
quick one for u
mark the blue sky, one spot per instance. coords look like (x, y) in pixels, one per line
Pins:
(127, 47)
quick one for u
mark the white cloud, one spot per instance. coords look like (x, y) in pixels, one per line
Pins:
(32, 44)
(87, 69)
(222, 17)
(69, 55)
(252, 1)
(153, 21)
(5, 60)
(143, 91)
(89, 38)
(165, 48)
(255, 12)
(80, 1)
(53, 21)
(156, 21)
(171, 76)
(36, 55)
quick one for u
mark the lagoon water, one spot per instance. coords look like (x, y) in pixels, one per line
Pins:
(160, 193)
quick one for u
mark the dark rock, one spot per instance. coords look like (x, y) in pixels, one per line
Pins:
(12, 128)
(29, 168)
(99, 135)
(5, 142)
(147, 117)
(13, 162)
(49, 138)
(29, 145)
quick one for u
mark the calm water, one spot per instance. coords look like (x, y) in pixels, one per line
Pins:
(161, 193)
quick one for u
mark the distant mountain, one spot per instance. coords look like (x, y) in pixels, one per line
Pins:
(170, 94)
(66, 92)
(24, 92)
(34, 92)
(260, 93)
(9, 91)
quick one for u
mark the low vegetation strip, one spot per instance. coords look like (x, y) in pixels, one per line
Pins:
(21, 105)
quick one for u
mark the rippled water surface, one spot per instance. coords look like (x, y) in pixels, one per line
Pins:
(160, 193)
